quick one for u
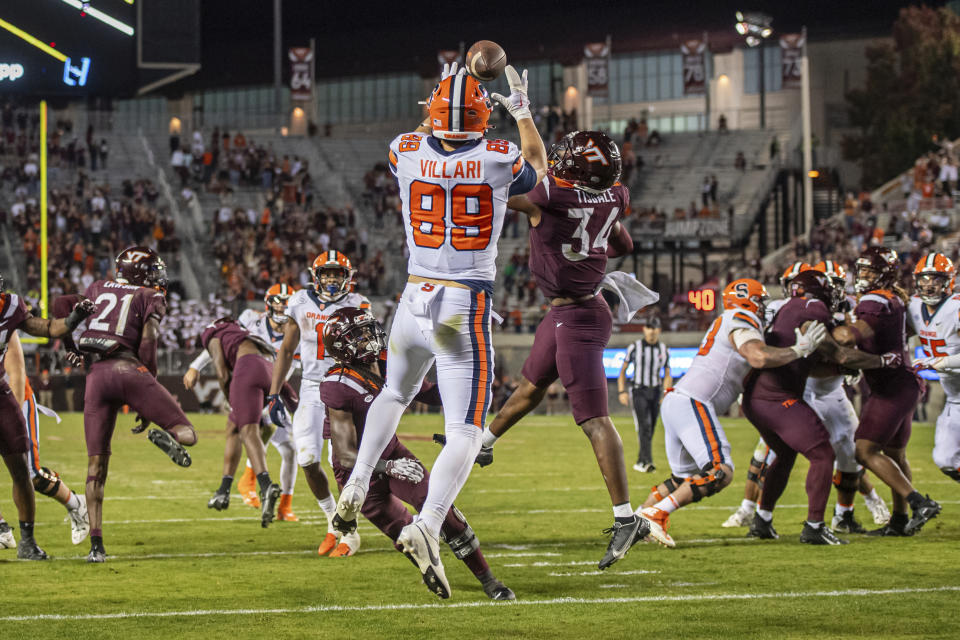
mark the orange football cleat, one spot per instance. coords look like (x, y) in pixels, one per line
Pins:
(247, 486)
(659, 521)
(328, 544)
(347, 547)
(285, 509)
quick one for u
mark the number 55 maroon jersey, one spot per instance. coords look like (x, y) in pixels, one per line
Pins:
(568, 249)
(122, 312)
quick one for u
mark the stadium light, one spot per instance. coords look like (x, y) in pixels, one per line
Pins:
(756, 26)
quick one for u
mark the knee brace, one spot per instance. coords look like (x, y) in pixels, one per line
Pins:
(464, 543)
(846, 481)
(672, 483)
(951, 473)
(707, 483)
(46, 482)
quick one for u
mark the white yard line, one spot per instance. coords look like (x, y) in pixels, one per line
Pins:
(632, 572)
(720, 597)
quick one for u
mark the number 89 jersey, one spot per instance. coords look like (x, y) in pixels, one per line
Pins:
(454, 202)
(311, 313)
(939, 335)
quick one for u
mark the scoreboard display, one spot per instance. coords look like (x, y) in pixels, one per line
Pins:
(68, 47)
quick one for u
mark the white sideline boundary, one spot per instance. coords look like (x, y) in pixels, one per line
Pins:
(720, 597)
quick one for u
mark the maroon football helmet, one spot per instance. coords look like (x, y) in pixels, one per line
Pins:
(883, 265)
(141, 266)
(814, 284)
(589, 160)
(353, 335)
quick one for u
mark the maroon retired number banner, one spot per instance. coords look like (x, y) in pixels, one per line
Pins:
(694, 66)
(597, 55)
(791, 46)
(301, 75)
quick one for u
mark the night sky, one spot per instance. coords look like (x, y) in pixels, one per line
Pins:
(368, 37)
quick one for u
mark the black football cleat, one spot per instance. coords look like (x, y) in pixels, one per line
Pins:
(762, 529)
(496, 590)
(895, 527)
(343, 526)
(96, 556)
(169, 445)
(220, 501)
(623, 536)
(846, 524)
(820, 535)
(926, 511)
(27, 549)
(485, 456)
(268, 504)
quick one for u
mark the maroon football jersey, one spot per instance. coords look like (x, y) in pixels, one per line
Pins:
(12, 314)
(230, 334)
(789, 380)
(348, 390)
(122, 313)
(887, 316)
(568, 249)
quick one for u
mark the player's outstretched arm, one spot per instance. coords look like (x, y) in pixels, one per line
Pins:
(59, 327)
(523, 205)
(750, 344)
(518, 104)
(850, 358)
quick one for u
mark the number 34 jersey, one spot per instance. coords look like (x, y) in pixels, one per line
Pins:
(311, 313)
(454, 202)
(716, 374)
(568, 248)
(939, 335)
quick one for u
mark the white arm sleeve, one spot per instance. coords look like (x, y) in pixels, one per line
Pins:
(201, 361)
(743, 336)
(948, 362)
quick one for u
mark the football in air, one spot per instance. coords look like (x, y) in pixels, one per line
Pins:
(486, 60)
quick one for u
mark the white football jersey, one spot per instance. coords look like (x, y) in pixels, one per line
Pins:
(310, 313)
(770, 311)
(716, 374)
(454, 202)
(939, 334)
(256, 323)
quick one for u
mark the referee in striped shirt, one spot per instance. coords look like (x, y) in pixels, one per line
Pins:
(648, 356)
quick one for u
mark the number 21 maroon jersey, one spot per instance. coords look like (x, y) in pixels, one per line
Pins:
(568, 248)
(122, 312)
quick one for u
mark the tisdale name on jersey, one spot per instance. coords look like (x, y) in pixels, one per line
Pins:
(589, 198)
(468, 169)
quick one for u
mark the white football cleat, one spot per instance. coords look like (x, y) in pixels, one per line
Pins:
(739, 518)
(7, 540)
(79, 521)
(351, 501)
(659, 522)
(424, 550)
(878, 509)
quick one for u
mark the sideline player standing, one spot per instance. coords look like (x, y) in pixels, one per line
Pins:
(454, 187)
(14, 442)
(309, 308)
(122, 338)
(886, 416)
(697, 447)
(648, 356)
(574, 215)
(934, 315)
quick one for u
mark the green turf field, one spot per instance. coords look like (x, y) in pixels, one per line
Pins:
(177, 569)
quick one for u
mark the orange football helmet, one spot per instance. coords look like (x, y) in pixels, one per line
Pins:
(459, 108)
(838, 279)
(746, 293)
(935, 275)
(789, 274)
(276, 300)
(335, 268)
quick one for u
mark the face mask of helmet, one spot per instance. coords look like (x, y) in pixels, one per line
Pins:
(932, 288)
(332, 283)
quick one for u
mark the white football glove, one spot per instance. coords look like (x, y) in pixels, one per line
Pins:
(808, 342)
(450, 69)
(518, 104)
(931, 362)
(405, 469)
